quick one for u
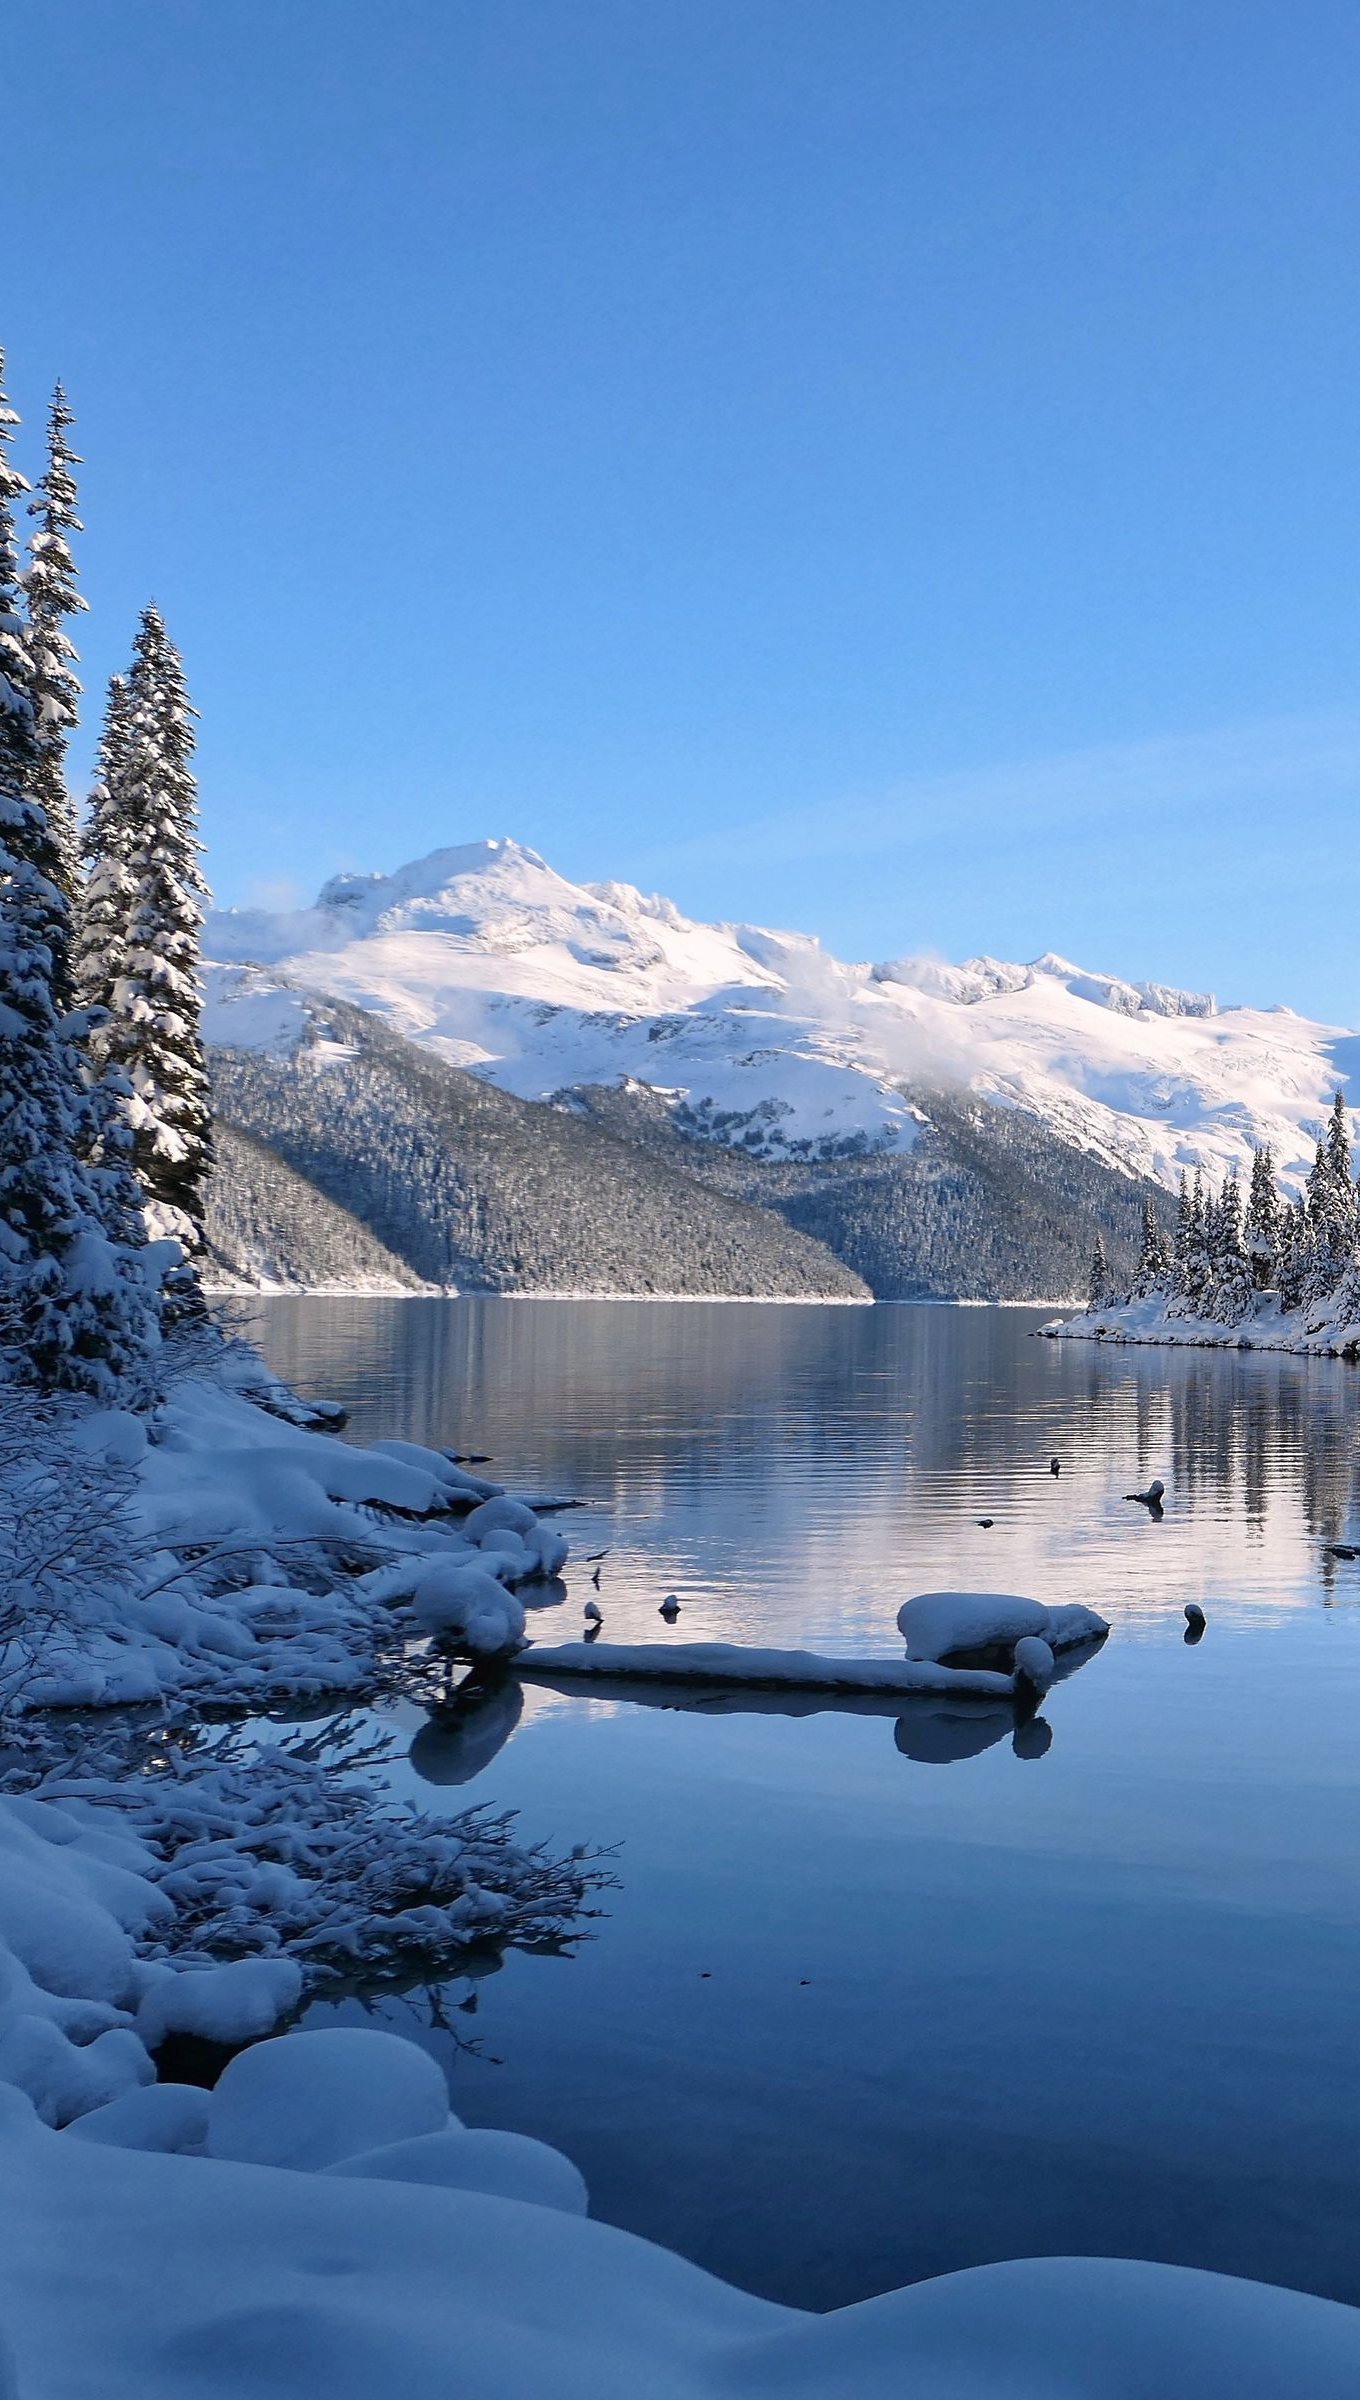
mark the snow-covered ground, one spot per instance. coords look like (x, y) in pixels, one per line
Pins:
(245, 1559)
(503, 966)
(321, 2221)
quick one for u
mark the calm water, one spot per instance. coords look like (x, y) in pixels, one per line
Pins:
(886, 1993)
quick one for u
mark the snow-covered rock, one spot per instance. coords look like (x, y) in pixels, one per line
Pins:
(491, 958)
(935, 1625)
(467, 1605)
(236, 2002)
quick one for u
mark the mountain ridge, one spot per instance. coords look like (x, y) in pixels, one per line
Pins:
(484, 954)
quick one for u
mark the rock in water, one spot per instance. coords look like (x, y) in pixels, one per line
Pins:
(1035, 1667)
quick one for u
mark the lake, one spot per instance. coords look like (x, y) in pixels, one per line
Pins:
(888, 1991)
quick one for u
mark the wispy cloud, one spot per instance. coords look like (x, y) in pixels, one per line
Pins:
(1298, 764)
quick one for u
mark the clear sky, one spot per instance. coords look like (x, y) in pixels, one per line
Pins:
(883, 466)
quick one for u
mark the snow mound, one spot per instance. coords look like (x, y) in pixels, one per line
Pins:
(307, 2099)
(158, 2116)
(466, 1605)
(936, 1625)
(510, 2165)
(182, 2274)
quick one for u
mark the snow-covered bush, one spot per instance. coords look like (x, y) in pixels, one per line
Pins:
(70, 1546)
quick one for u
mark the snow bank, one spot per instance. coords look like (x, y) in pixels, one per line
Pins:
(1318, 1332)
(248, 1558)
(148, 2275)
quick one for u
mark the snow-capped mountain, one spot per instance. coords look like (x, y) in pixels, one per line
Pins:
(500, 965)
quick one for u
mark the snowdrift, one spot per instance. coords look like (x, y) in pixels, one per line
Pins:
(146, 2276)
(252, 1560)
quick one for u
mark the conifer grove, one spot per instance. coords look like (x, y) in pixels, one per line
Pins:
(104, 1119)
(1231, 1254)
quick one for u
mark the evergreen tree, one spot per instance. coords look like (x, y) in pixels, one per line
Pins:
(1181, 1239)
(153, 1033)
(1229, 1289)
(1332, 1208)
(1297, 1255)
(1098, 1287)
(1155, 1258)
(52, 598)
(1338, 1146)
(1194, 1264)
(108, 892)
(1265, 1221)
(75, 1312)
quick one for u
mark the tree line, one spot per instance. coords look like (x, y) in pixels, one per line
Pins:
(105, 1123)
(1227, 1251)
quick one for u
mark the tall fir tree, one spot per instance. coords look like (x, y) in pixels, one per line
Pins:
(1181, 1239)
(1155, 1258)
(53, 599)
(1297, 1255)
(1193, 1264)
(108, 891)
(1332, 1207)
(1098, 1282)
(1265, 1221)
(75, 1312)
(153, 1033)
(1229, 1288)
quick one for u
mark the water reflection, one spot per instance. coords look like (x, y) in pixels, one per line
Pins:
(462, 1736)
(851, 2020)
(796, 1471)
(466, 1730)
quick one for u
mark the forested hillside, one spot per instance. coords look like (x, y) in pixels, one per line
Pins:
(473, 1188)
(987, 1205)
(267, 1225)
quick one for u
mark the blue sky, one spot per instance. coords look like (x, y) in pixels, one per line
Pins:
(885, 466)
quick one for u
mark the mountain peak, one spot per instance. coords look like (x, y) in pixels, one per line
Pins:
(543, 985)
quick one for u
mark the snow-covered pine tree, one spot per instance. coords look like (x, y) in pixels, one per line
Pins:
(153, 1033)
(98, 956)
(1265, 1221)
(1098, 1284)
(1193, 1264)
(1181, 1239)
(107, 895)
(1155, 1263)
(1332, 1212)
(1228, 1293)
(1297, 1255)
(50, 585)
(75, 1312)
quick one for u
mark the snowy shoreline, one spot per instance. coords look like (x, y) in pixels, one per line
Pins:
(1147, 1323)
